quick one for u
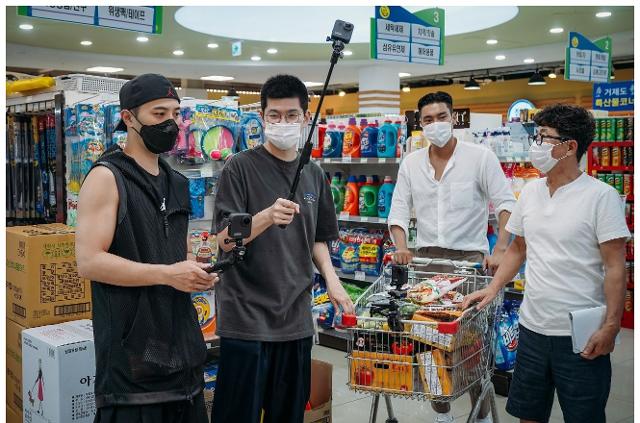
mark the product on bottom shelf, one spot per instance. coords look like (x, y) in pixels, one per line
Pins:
(14, 366)
(385, 196)
(338, 192)
(58, 368)
(368, 199)
(210, 380)
(351, 197)
(43, 286)
(205, 305)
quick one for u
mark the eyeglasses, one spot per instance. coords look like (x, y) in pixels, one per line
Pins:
(539, 139)
(290, 117)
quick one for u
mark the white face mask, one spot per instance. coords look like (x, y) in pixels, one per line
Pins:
(541, 158)
(283, 136)
(439, 133)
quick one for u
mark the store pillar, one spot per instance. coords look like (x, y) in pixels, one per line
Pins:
(379, 90)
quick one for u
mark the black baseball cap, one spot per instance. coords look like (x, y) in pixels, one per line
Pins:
(143, 89)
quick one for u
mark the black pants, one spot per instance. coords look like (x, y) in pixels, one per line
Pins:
(255, 376)
(168, 412)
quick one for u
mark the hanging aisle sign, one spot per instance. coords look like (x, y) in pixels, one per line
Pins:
(399, 35)
(147, 19)
(614, 97)
(586, 60)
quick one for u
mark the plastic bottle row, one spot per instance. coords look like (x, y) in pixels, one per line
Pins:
(363, 195)
(368, 139)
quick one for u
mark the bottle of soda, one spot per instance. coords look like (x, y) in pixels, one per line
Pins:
(205, 252)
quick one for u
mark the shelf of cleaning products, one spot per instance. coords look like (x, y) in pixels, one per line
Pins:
(362, 219)
(358, 161)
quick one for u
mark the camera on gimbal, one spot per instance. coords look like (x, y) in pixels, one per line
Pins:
(239, 229)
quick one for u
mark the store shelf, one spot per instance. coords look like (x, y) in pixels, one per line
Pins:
(358, 161)
(612, 144)
(362, 219)
(613, 168)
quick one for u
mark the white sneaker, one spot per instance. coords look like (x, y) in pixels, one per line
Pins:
(443, 418)
(487, 419)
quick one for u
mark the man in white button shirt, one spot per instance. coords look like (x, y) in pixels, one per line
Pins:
(449, 185)
(571, 230)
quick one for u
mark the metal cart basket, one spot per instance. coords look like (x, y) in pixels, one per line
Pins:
(434, 353)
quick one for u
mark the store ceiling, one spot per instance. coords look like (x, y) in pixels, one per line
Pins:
(525, 34)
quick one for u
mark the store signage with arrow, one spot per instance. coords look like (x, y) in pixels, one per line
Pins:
(614, 97)
(236, 49)
(587, 60)
(399, 35)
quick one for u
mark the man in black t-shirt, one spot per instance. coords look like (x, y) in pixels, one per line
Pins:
(264, 302)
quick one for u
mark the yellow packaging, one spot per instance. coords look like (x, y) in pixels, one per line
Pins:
(376, 371)
(14, 366)
(615, 156)
(43, 286)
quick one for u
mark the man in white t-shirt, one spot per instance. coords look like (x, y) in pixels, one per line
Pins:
(571, 230)
(450, 185)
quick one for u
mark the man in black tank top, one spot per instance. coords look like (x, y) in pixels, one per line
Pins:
(131, 241)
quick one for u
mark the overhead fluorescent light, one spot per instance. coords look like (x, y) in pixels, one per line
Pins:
(406, 89)
(218, 78)
(403, 74)
(537, 79)
(529, 60)
(212, 45)
(86, 43)
(309, 84)
(142, 39)
(348, 53)
(557, 30)
(501, 57)
(603, 14)
(256, 58)
(492, 42)
(472, 85)
(342, 93)
(272, 50)
(178, 52)
(552, 75)
(26, 27)
(104, 69)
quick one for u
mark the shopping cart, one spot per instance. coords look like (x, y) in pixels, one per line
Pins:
(395, 352)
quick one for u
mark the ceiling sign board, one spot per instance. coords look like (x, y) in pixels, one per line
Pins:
(461, 118)
(236, 49)
(145, 19)
(586, 60)
(399, 35)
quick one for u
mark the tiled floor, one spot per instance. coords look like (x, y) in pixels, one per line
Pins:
(349, 407)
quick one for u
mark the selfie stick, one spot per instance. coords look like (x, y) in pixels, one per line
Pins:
(305, 156)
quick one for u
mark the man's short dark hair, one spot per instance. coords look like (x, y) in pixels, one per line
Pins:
(569, 121)
(437, 97)
(284, 86)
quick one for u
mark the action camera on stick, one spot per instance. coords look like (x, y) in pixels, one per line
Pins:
(239, 229)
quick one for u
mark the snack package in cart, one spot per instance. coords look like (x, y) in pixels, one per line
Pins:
(439, 287)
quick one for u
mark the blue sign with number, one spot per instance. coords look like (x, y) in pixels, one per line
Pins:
(614, 96)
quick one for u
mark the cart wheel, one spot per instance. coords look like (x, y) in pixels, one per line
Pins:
(394, 420)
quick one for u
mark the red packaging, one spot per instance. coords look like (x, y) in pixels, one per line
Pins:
(316, 153)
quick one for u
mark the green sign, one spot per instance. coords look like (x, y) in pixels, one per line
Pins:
(147, 19)
(402, 36)
(587, 60)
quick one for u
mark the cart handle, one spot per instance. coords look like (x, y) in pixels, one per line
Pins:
(446, 262)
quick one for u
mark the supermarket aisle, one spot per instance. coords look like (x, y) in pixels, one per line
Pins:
(349, 407)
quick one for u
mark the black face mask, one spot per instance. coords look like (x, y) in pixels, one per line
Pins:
(159, 138)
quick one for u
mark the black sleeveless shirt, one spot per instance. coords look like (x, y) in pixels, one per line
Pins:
(149, 347)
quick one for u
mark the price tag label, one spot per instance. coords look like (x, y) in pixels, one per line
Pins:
(344, 215)
(360, 276)
(366, 219)
(346, 159)
(382, 160)
(206, 172)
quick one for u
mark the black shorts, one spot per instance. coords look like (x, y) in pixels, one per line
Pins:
(545, 364)
(168, 412)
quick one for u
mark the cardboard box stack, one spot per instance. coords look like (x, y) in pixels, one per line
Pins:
(43, 288)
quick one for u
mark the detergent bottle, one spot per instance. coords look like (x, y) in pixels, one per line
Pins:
(417, 141)
(363, 124)
(368, 203)
(369, 141)
(362, 180)
(385, 195)
(387, 140)
(316, 153)
(337, 192)
(351, 197)
(398, 125)
(351, 141)
(332, 147)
